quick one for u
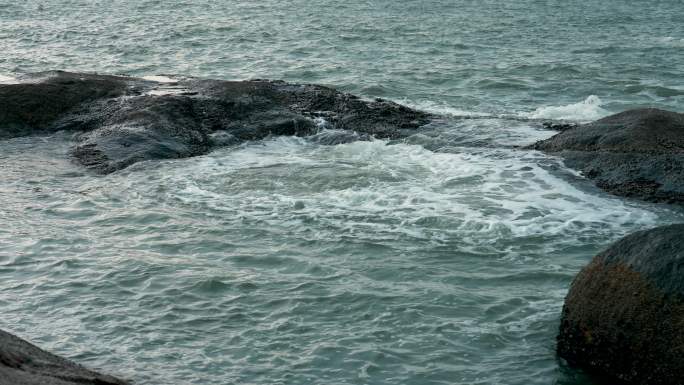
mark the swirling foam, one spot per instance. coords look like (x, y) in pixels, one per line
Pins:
(482, 194)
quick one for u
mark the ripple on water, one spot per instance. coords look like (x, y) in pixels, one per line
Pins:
(402, 263)
(442, 258)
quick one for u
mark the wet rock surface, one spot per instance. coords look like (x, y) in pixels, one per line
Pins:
(123, 120)
(558, 126)
(22, 363)
(624, 314)
(637, 153)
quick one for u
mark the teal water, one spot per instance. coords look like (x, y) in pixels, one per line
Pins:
(440, 259)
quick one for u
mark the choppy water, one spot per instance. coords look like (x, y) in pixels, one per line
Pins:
(443, 258)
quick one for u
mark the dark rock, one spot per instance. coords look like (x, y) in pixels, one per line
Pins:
(34, 105)
(624, 314)
(636, 153)
(124, 120)
(556, 126)
(141, 128)
(22, 363)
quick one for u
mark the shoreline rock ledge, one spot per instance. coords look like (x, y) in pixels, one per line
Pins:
(22, 363)
(636, 153)
(121, 120)
(624, 314)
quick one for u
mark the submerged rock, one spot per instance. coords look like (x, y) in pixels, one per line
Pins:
(123, 120)
(22, 363)
(624, 314)
(637, 153)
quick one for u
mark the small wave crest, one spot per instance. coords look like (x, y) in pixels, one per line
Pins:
(441, 108)
(587, 110)
(166, 86)
(670, 41)
(159, 79)
(8, 80)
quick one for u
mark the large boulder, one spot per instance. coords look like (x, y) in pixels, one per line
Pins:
(637, 153)
(22, 363)
(124, 120)
(624, 314)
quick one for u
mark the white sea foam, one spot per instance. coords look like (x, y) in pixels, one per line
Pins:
(167, 91)
(167, 85)
(670, 41)
(8, 80)
(321, 123)
(587, 110)
(381, 190)
(160, 79)
(441, 108)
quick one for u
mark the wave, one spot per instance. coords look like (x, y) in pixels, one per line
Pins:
(7, 80)
(584, 111)
(441, 108)
(159, 79)
(670, 41)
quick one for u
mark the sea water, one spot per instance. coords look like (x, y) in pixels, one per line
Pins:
(442, 258)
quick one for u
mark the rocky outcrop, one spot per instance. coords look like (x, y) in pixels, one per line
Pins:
(22, 363)
(123, 120)
(637, 153)
(624, 314)
(35, 105)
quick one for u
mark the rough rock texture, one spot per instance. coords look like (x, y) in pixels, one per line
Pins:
(35, 105)
(636, 153)
(556, 126)
(624, 314)
(22, 363)
(123, 120)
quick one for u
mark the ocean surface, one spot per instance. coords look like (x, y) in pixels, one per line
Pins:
(443, 258)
